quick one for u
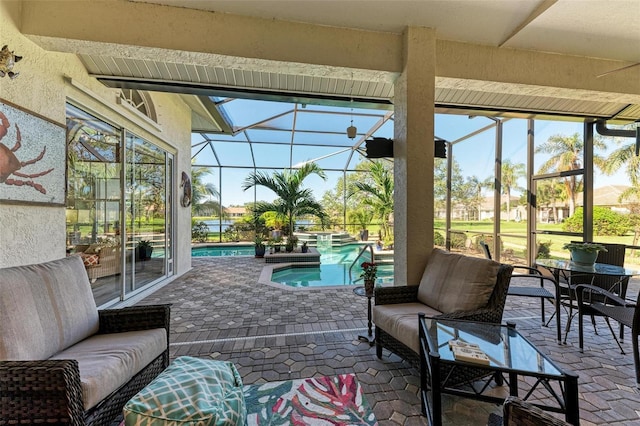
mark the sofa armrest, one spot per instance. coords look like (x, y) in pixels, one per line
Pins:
(134, 318)
(44, 392)
(396, 294)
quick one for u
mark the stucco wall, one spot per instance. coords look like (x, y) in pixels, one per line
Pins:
(28, 233)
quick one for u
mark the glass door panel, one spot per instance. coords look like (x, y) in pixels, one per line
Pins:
(146, 182)
(94, 201)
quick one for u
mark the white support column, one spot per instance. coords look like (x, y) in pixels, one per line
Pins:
(413, 156)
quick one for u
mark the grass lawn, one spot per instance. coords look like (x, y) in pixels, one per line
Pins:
(514, 237)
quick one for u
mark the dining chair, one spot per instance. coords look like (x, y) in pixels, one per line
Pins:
(521, 275)
(617, 285)
(613, 307)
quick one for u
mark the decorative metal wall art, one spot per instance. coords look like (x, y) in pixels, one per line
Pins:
(7, 60)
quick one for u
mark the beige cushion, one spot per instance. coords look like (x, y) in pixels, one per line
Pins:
(453, 282)
(45, 308)
(401, 321)
(107, 361)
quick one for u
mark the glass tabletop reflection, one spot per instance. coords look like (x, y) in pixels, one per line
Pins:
(596, 268)
(506, 348)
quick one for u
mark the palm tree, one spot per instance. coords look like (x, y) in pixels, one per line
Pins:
(201, 191)
(625, 157)
(380, 193)
(293, 200)
(509, 181)
(566, 154)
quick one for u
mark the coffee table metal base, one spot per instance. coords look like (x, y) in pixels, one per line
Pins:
(433, 385)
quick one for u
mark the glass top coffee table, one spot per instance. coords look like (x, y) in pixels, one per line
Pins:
(510, 355)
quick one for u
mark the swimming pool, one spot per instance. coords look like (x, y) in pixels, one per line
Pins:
(326, 275)
(235, 250)
(333, 270)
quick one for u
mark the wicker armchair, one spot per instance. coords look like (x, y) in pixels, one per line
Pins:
(407, 301)
(59, 384)
(520, 413)
(49, 391)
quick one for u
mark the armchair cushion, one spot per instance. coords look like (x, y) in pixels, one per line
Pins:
(108, 361)
(400, 320)
(45, 308)
(452, 282)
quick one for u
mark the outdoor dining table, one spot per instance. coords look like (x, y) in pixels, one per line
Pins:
(563, 270)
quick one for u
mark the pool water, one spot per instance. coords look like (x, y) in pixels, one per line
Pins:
(327, 275)
(239, 250)
(333, 271)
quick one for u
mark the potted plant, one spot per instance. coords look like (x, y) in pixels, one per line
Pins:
(276, 242)
(304, 247)
(260, 247)
(292, 243)
(369, 273)
(584, 253)
(144, 250)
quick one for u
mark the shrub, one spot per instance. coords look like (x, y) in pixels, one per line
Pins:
(438, 239)
(605, 222)
(458, 240)
(199, 232)
(544, 250)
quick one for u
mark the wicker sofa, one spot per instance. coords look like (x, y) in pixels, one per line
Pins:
(453, 286)
(64, 362)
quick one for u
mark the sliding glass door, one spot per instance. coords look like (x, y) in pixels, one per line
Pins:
(146, 212)
(118, 217)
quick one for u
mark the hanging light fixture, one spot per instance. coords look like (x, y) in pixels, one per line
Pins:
(352, 130)
(7, 60)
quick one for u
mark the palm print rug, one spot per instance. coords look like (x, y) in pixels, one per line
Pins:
(320, 401)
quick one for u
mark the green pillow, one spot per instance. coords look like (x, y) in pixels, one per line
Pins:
(190, 391)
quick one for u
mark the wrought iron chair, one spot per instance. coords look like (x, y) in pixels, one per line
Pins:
(525, 273)
(610, 306)
(613, 256)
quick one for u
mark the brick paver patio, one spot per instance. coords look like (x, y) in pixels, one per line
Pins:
(221, 312)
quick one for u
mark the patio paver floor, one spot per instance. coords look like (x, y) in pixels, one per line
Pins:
(220, 311)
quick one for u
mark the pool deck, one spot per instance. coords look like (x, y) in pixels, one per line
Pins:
(220, 311)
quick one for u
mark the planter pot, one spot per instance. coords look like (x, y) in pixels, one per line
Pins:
(260, 250)
(364, 235)
(144, 253)
(305, 249)
(288, 248)
(584, 257)
(276, 249)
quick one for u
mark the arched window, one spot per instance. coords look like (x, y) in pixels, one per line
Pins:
(141, 101)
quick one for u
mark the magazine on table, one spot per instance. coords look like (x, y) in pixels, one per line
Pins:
(468, 352)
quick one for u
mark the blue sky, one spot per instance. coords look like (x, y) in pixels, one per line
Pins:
(475, 155)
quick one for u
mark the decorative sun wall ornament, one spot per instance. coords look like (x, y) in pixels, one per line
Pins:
(7, 60)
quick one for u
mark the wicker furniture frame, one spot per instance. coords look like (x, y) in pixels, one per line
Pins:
(49, 391)
(491, 313)
(520, 413)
